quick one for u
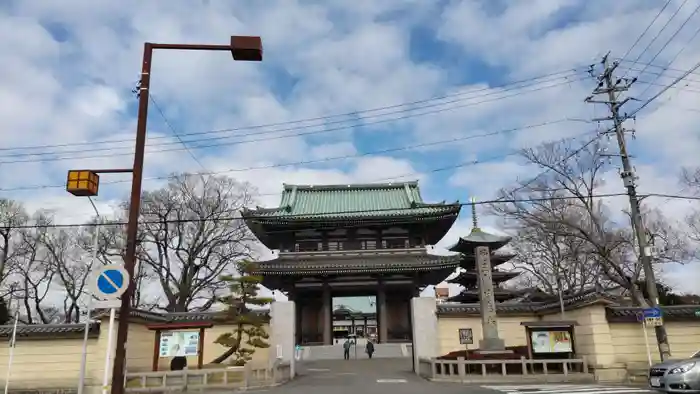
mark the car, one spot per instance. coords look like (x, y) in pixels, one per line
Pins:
(676, 376)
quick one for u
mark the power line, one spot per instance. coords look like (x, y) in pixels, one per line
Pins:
(658, 34)
(317, 161)
(697, 31)
(172, 130)
(673, 36)
(662, 91)
(650, 65)
(220, 144)
(476, 162)
(470, 94)
(332, 214)
(645, 30)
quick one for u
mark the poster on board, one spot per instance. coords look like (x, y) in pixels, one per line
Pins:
(179, 343)
(551, 342)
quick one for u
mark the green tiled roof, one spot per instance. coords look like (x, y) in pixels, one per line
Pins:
(352, 201)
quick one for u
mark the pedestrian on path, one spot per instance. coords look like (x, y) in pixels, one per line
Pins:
(369, 348)
(346, 349)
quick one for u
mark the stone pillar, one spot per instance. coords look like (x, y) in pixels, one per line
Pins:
(491, 341)
(425, 331)
(282, 333)
(382, 315)
(327, 316)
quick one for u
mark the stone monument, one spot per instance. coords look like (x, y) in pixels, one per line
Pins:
(480, 244)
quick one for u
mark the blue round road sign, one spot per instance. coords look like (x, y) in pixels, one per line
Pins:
(110, 282)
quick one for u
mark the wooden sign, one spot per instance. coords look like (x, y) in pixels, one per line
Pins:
(465, 336)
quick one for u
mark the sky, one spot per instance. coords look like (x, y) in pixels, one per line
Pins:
(348, 92)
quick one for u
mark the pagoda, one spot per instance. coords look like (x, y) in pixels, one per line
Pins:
(468, 278)
(481, 245)
(353, 240)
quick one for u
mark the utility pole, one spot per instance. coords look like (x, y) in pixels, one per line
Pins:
(611, 86)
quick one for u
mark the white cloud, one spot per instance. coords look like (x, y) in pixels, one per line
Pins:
(68, 71)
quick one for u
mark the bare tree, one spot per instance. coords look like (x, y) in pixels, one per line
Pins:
(551, 262)
(35, 276)
(690, 178)
(72, 267)
(191, 234)
(563, 210)
(12, 215)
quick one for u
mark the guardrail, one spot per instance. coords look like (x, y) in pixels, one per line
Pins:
(467, 371)
(204, 379)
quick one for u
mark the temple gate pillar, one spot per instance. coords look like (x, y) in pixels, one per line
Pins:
(327, 315)
(383, 332)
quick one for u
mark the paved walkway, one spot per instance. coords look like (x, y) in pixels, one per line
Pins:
(377, 376)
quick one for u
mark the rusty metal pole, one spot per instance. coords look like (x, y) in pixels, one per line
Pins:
(133, 223)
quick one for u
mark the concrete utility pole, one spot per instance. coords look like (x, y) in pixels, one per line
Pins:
(611, 86)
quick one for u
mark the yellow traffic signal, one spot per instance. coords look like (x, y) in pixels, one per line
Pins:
(83, 183)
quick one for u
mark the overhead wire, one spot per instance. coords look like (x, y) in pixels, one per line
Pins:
(394, 178)
(639, 38)
(248, 141)
(697, 31)
(152, 98)
(348, 212)
(328, 159)
(356, 114)
(658, 34)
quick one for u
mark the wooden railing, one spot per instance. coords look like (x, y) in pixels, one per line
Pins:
(463, 370)
(203, 379)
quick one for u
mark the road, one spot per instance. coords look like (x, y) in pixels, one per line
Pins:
(394, 376)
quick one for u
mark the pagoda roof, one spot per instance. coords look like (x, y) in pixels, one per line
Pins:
(351, 202)
(478, 237)
(469, 260)
(354, 262)
(468, 296)
(472, 276)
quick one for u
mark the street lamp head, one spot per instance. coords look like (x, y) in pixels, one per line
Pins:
(83, 183)
(246, 48)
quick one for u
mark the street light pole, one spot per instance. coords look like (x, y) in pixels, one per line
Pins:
(95, 245)
(243, 48)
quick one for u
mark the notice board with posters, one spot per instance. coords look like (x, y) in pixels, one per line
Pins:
(179, 344)
(550, 339)
(554, 341)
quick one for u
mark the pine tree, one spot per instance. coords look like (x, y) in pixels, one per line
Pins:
(249, 331)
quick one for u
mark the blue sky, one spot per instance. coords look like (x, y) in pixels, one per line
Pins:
(70, 67)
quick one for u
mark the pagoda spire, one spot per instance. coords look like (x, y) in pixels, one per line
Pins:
(475, 222)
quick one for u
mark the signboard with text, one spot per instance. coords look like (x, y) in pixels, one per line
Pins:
(465, 336)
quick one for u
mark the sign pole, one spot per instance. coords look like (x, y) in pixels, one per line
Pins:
(108, 353)
(12, 350)
(646, 341)
(83, 359)
(108, 284)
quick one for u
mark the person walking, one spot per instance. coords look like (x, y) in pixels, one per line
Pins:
(346, 349)
(369, 348)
